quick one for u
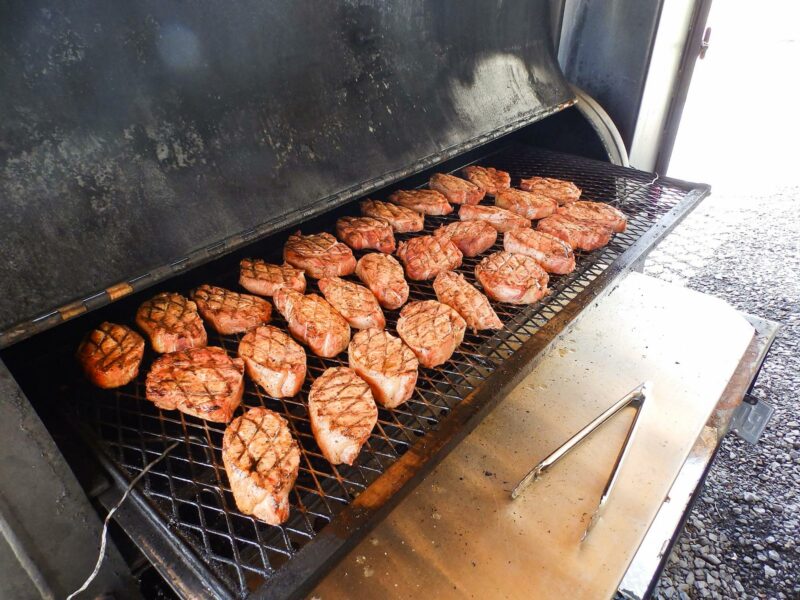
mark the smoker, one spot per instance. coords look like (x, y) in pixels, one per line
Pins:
(149, 147)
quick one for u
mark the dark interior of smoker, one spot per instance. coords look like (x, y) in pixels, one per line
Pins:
(119, 431)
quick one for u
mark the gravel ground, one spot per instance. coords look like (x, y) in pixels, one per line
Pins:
(743, 538)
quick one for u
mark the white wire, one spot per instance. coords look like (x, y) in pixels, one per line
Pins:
(104, 534)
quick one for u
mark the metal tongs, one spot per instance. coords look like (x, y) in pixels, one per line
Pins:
(634, 398)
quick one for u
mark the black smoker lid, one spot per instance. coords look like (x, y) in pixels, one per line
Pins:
(133, 134)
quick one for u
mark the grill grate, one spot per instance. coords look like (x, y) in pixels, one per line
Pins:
(189, 489)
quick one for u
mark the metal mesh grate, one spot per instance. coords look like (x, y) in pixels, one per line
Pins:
(190, 489)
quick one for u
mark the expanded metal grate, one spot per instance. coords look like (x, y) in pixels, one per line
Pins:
(190, 489)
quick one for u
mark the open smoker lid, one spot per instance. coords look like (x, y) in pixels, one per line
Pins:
(135, 133)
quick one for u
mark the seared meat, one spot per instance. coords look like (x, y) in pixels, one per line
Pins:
(314, 322)
(432, 330)
(230, 312)
(471, 237)
(512, 278)
(171, 322)
(426, 256)
(553, 254)
(261, 459)
(402, 220)
(455, 291)
(319, 255)
(203, 382)
(427, 202)
(488, 179)
(581, 235)
(455, 189)
(525, 204)
(111, 354)
(559, 190)
(265, 279)
(501, 219)
(384, 277)
(354, 302)
(365, 233)
(274, 360)
(596, 213)
(342, 413)
(386, 364)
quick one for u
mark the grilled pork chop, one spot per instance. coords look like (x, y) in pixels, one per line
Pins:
(596, 213)
(262, 460)
(386, 364)
(274, 360)
(383, 275)
(553, 254)
(471, 237)
(426, 256)
(525, 204)
(313, 322)
(171, 322)
(111, 354)
(427, 202)
(501, 219)
(512, 278)
(354, 302)
(559, 190)
(581, 235)
(402, 220)
(488, 179)
(319, 255)
(342, 413)
(365, 233)
(230, 312)
(455, 291)
(455, 189)
(202, 382)
(265, 279)
(432, 330)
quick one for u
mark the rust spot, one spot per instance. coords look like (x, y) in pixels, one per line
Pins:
(71, 310)
(115, 292)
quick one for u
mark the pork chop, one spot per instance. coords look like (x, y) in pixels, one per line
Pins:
(470, 237)
(366, 233)
(402, 220)
(455, 189)
(559, 190)
(319, 255)
(202, 382)
(426, 256)
(262, 460)
(342, 413)
(265, 279)
(230, 312)
(488, 179)
(274, 360)
(427, 202)
(456, 292)
(314, 322)
(111, 354)
(525, 204)
(512, 278)
(596, 213)
(354, 302)
(432, 330)
(383, 275)
(387, 365)
(580, 235)
(501, 219)
(553, 254)
(171, 322)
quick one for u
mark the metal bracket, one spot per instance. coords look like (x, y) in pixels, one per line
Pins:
(751, 418)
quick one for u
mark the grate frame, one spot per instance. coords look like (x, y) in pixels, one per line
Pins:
(334, 506)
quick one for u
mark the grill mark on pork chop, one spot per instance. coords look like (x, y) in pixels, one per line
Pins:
(432, 330)
(274, 360)
(171, 322)
(402, 219)
(387, 365)
(111, 354)
(455, 189)
(426, 256)
(319, 255)
(553, 254)
(383, 275)
(366, 233)
(314, 322)
(580, 235)
(456, 292)
(596, 213)
(354, 302)
(501, 219)
(428, 202)
(512, 278)
(489, 179)
(230, 312)
(265, 279)
(559, 190)
(470, 237)
(525, 204)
